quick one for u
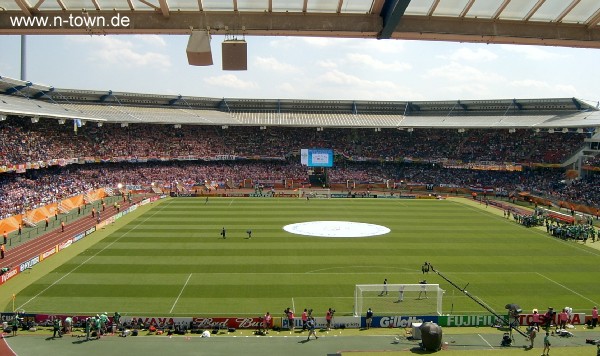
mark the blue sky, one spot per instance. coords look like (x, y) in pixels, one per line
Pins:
(309, 68)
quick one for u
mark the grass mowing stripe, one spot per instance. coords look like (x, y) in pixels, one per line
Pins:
(82, 263)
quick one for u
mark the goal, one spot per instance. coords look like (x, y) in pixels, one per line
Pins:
(314, 193)
(398, 299)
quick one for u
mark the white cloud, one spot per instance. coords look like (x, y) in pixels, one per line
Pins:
(370, 45)
(367, 60)
(456, 72)
(109, 50)
(327, 64)
(151, 40)
(324, 42)
(467, 54)
(548, 89)
(337, 84)
(230, 81)
(270, 63)
(531, 52)
(287, 88)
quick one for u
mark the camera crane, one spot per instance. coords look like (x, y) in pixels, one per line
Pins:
(509, 324)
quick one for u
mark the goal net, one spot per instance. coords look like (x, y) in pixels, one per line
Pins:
(314, 193)
(398, 299)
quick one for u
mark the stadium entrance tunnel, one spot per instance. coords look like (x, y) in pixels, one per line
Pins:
(336, 229)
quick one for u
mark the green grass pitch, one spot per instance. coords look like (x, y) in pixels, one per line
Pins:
(172, 260)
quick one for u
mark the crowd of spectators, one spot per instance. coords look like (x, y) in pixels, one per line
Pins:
(22, 141)
(21, 192)
(361, 155)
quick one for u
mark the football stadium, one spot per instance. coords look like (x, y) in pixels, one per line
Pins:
(151, 223)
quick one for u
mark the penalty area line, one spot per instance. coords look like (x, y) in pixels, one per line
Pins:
(180, 292)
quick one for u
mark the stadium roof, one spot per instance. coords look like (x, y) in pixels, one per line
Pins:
(572, 23)
(19, 98)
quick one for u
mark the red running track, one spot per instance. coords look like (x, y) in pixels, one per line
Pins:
(38, 245)
(5, 350)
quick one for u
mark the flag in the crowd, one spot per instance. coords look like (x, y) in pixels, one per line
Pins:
(76, 124)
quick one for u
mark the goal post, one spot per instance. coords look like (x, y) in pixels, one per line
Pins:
(398, 299)
(316, 193)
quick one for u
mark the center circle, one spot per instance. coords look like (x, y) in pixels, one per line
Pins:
(336, 229)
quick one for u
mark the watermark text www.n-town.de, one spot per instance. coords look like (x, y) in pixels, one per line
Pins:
(74, 21)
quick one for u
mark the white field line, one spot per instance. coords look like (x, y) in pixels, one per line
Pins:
(482, 338)
(567, 288)
(591, 251)
(94, 255)
(182, 288)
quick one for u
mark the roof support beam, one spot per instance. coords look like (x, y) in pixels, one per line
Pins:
(343, 25)
(498, 12)
(467, 8)
(593, 20)
(270, 5)
(377, 6)
(339, 7)
(392, 12)
(96, 5)
(39, 3)
(567, 10)
(24, 6)
(534, 9)
(164, 7)
(497, 31)
(305, 6)
(148, 4)
(434, 6)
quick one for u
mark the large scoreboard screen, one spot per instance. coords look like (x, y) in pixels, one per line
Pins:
(316, 157)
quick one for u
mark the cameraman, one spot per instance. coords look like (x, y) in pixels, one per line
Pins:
(328, 318)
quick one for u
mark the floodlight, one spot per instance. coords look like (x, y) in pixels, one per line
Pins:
(61, 121)
(410, 129)
(512, 130)
(2, 117)
(99, 124)
(580, 130)
(224, 127)
(124, 124)
(35, 119)
(550, 130)
(565, 130)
